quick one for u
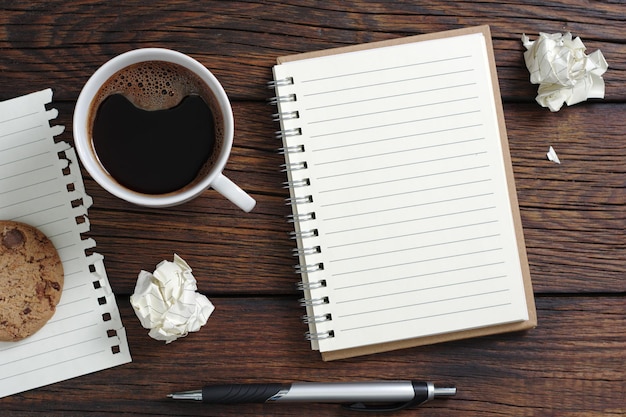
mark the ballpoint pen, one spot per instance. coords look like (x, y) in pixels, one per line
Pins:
(366, 396)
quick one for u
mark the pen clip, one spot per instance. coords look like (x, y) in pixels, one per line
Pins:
(424, 392)
(384, 407)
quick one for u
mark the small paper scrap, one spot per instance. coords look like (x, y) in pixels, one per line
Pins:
(552, 156)
(564, 73)
(167, 301)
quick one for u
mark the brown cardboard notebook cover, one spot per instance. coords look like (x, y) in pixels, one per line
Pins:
(322, 106)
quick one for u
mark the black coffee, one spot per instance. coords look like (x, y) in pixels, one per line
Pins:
(153, 152)
(155, 127)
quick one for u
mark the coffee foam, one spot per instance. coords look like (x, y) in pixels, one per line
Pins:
(161, 85)
(151, 85)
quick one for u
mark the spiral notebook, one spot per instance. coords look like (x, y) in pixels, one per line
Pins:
(41, 185)
(401, 186)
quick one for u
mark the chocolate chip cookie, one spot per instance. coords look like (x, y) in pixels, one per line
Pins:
(31, 280)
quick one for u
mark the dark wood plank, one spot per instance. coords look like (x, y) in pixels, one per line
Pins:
(239, 41)
(260, 339)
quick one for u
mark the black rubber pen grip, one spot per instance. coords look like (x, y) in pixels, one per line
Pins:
(240, 393)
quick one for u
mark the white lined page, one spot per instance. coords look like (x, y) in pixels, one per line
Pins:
(41, 188)
(409, 191)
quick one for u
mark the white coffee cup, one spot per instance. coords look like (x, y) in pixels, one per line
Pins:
(213, 178)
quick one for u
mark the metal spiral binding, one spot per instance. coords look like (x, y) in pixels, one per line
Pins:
(282, 99)
(297, 218)
(314, 285)
(291, 149)
(303, 234)
(320, 318)
(288, 134)
(319, 336)
(299, 200)
(294, 166)
(309, 268)
(290, 115)
(306, 251)
(303, 182)
(280, 83)
(313, 301)
(282, 134)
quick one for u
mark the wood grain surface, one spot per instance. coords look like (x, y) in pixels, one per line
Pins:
(574, 213)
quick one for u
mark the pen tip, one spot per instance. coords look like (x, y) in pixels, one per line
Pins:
(186, 395)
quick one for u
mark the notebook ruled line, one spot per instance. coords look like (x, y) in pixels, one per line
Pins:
(54, 221)
(60, 248)
(439, 300)
(412, 248)
(58, 336)
(378, 70)
(395, 208)
(35, 212)
(393, 110)
(415, 276)
(53, 364)
(415, 262)
(63, 233)
(413, 135)
(30, 199)
(425, 303)
(413, 163)
(386, 83)
(405, 192)
(75, 286)
(409, 235)
(404, 150)
(22, 145)
(16, 160)
(17, 132)
(386, 97)
(429, 217)
(32, 171)
(418, 233)
(406, 122)
(33, 184)
(40, 339)
(21, 116)
(73, 316)
(396, 180)
(447, 313)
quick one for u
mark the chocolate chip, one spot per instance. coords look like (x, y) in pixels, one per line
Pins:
(13, 239)
(26, 311)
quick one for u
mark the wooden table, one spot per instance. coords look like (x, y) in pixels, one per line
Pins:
(574, 214)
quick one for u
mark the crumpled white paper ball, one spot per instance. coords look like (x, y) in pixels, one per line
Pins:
(167, 301)
(564, 73)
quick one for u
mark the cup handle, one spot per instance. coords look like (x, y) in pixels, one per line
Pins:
(231, 191)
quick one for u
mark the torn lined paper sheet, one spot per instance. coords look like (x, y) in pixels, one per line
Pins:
(564, 72)
(41, 185)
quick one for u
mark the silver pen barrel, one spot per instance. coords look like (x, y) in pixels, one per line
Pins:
(341, 392)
